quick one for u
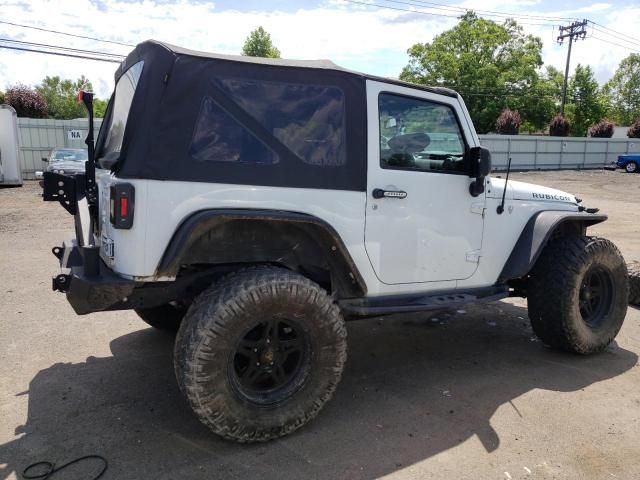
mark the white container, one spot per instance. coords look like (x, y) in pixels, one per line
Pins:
(10, 172)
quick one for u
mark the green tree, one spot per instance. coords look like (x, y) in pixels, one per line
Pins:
(258, 44)
(492, 66)
(585, 103)
(2, 98)
(623, 91)
(62, 94)
(99, 107)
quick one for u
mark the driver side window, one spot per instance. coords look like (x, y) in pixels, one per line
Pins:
(420, 135)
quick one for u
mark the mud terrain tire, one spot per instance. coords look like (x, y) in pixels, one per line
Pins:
(578, 294)
(259, 353)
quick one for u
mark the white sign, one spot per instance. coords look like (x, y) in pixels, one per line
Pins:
(76, 134)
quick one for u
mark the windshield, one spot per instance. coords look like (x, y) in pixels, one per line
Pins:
(125, 88)
(69, 155)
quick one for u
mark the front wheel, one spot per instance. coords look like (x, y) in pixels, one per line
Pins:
(631, 167)
(259, 353)
(578, 294)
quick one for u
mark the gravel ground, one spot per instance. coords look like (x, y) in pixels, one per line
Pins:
(470, 394)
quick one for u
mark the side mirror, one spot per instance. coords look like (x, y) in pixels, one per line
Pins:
(45, 159)
(484, 167)
(480, 167)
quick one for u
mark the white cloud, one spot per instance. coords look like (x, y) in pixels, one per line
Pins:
(371, 40)
(596, 7)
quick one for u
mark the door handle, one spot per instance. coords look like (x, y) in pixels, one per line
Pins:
(380, 193)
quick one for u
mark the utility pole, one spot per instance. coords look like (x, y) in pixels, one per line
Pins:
(575, 30)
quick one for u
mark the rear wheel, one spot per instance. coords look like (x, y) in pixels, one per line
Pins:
(259, 353)
(164, 317)
(578, 293)
(631, 167)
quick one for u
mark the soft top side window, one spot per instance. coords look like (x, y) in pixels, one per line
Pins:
(421, 135)
(309, 121)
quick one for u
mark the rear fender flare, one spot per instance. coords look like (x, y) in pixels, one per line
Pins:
(238, 236)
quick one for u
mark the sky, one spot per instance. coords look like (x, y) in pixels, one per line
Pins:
(361, 37)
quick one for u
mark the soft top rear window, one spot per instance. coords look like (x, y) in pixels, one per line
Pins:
(121, 104)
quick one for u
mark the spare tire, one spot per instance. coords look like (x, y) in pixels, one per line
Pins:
(633, 270)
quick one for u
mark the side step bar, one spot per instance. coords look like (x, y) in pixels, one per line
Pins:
(387, 305)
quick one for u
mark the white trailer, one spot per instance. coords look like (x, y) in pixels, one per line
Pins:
(10, 172)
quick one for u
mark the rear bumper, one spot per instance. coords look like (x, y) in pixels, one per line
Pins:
(89, 284)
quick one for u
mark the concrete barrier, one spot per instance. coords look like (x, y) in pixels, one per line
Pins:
(530, 152)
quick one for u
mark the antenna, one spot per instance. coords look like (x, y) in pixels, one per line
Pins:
(500, 208)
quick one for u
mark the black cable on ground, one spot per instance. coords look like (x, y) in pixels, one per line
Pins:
(52, 469)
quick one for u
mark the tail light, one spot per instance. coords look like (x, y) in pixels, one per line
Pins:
(122, 203)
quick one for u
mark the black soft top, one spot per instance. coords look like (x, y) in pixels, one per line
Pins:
(320, 64)
(205, 117)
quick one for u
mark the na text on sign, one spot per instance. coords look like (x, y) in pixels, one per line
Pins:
(76, 134)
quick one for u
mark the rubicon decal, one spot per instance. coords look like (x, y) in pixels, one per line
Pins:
(547, 196)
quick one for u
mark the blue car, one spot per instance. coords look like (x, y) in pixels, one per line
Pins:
(630, 162)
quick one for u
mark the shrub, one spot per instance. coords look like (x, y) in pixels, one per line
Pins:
(559, 126)
(601, 129)
(634, 130)
(508, 123)
(26, 101)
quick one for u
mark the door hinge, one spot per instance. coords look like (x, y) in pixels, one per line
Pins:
(473, 256)
(477, 208)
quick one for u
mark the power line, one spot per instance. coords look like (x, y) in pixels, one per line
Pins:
(440, 6)
(423, 12)
(66, 33)
(60, 54)
(402, 9)
(461, 11)
(614, 33)
(67, 49)
(604, 32)
(614, 43)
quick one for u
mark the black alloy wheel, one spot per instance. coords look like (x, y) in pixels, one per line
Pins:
(596, 296)
(270, 362)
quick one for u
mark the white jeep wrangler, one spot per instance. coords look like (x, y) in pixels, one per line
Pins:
(255, 205)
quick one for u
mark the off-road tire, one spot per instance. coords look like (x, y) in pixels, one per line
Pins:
(556, 290)
(208, 341)
(164, 317)
(633, 270)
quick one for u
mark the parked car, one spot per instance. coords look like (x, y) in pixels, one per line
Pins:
(630, 162)
(256, 204)
(64, 161)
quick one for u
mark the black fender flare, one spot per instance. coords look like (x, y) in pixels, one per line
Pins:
(235, 236)
(537, 233)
